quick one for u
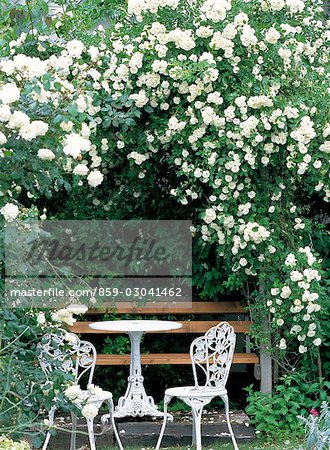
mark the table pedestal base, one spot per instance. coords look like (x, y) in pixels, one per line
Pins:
(136, 402)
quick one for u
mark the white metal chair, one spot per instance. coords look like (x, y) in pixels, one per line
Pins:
(213, 354)
(67, 353)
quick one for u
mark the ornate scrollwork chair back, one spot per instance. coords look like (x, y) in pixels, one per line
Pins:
(66, 352)
(213, 354)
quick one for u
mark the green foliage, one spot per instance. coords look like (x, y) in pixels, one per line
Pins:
(25, 391)
(293, 396)
(116, 346)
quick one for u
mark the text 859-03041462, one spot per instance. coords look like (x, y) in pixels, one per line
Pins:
(139, 292)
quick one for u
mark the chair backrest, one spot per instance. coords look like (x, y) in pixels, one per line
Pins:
(64, 351)
(213, 354)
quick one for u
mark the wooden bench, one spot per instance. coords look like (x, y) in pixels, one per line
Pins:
(193, 327)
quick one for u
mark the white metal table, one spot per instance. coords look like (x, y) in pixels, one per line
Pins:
(136, 402)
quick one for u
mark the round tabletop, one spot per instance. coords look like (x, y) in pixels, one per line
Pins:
(128, 326)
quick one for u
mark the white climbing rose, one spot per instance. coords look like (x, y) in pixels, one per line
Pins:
(80, 169)
(9, 211)
(90, 411)
(75, 48)
(9, 93)
(3, 138)
(46, 154)
(95, 178)
(73, 392)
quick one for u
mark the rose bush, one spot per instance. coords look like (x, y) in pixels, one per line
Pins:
(215, 93)
(26, 392)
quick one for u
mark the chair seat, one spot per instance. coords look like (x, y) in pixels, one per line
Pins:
(106, 395)
(92, 399)
(195, 391)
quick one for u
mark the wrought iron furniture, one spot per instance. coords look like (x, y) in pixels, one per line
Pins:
(136, 402)
(66, 352)
(212, 355)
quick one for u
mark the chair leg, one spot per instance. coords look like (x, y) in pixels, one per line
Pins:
(197, 410)
(90, 427)
(193, 434)
(226, 402)
(73, 431)
(51, 416)
(111, 411)
(162, 431)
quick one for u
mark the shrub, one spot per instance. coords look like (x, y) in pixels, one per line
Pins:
(292, 396)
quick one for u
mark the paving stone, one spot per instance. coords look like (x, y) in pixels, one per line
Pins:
(145, 432)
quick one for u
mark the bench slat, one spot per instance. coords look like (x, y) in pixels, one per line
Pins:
(187, 327)
(168, 358)
(174, 308)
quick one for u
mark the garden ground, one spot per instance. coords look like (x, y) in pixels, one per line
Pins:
(285, 445)
(143, 435)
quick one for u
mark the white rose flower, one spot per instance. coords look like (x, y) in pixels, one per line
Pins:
(285, 292)
(93, 52)
(74, 145)
(90, 411)
(5, 113)
(9, 211)
(73, 392)
(9, 93)
(3, 138)
(282, 344)
(271, 249)
(46, 154)
(272, 35)
(317, 342)
(81, 169)
(295, 275)
(41, 319)
(215, 10)
(66, 126)
(81, 103)
(63, 315)
(204, 32)
(18, 119)
(290, 260)
(210, 215)
(296, 6)
(75, 48)
(95, 178)
(277, 5)
(302, 349)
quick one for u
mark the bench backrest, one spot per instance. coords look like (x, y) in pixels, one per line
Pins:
(191, 326)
